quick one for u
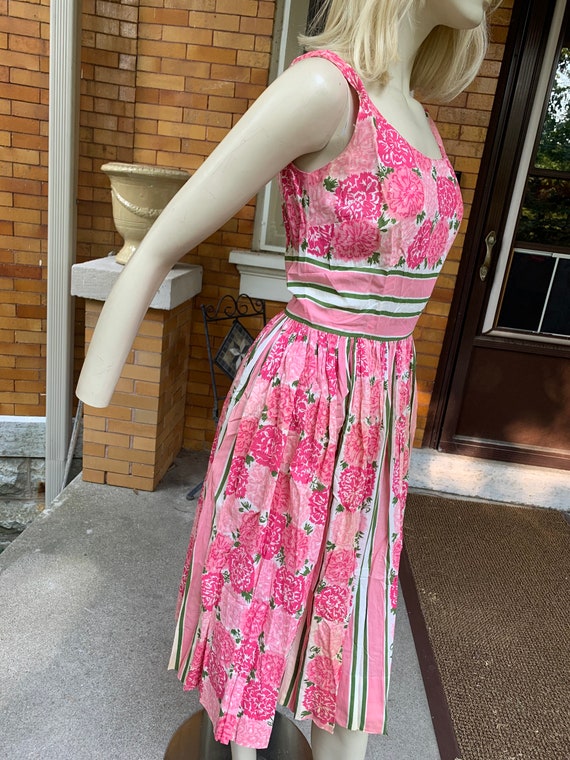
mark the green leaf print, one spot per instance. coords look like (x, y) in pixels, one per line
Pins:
(374, 259)
(434, 173)
(330, 546)
(304, 245)
(330, 184)
(305, 200)
(420, 217)
(384, 222)
(308, 528)
(417, 171)
(384, 171)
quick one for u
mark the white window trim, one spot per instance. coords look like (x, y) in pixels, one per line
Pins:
(262, 270)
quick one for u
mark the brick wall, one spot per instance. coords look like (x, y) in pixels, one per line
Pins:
(162, 83)
(23, 204)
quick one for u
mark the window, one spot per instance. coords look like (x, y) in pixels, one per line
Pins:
(292, 16)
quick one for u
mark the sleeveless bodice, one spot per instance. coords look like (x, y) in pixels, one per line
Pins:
(367, 234)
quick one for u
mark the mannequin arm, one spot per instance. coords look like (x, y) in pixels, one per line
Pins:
(298, 114)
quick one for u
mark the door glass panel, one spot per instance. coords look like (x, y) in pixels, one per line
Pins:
(535, 291)
(557, 315)
(545, 217)
(554, 148)
(526, 291)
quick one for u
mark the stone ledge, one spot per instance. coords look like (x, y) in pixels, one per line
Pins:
(94, 280)
(22, 436)
(262, 274)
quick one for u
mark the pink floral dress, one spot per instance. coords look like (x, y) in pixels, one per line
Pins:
(290, 586)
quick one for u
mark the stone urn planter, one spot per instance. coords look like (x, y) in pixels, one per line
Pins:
(140, 192)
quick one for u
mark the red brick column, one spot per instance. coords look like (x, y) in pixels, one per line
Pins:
(133, 441)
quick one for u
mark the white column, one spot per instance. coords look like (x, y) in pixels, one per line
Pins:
(65, 58)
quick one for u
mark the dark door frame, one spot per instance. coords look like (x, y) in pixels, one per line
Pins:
(526, 41)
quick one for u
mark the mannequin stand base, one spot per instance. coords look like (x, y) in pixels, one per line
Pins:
(194, 740)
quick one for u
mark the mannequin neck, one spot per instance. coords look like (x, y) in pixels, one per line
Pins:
(413, 30)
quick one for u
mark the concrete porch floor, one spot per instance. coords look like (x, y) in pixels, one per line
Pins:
(87, 595)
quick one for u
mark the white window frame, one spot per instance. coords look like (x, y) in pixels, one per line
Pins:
(262, 270)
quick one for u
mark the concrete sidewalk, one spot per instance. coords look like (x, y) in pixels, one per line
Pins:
(87, 597)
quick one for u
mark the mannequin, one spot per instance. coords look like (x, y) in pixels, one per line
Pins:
(307, 116)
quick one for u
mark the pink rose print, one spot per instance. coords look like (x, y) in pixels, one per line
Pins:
(273, 361)
(394, 593)
(250, 533)
(211, 588)
(288, 182)
(225, 728)
(446, 197)
(237, 478)
(340, 566)
(438, 243)
(320, 671)
(222, 644)
(241, 569)
(319, 240)
(399, 485)
(321, 703)
(292, 222)
(304, 409)
(259, 701)
(355, 486)
(418, 250)
(218, 554)
(279, 403)
(404, 392)
(273, 535)
(355, 240)
(332, 603)
(280, 494)
(247, 430)
(358, 197)
(354, 446)
(304, 464)
(296, 545)
(255, 620)
(362, 367)
(267, 446)
(404, 192)
(271, 669)
(218, 676)
(402, 432)
(397, 552)
(404, 355)
(393, 150)
(288, 590)
(195, 673)
(246, 657)
(319, 506)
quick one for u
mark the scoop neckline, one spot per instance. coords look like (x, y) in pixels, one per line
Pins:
(361, 89)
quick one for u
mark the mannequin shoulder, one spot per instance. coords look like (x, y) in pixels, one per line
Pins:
(316, 83)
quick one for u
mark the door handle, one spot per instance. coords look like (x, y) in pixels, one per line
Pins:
(490, 241)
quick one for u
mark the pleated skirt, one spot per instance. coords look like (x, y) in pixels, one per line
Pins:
(290, 585)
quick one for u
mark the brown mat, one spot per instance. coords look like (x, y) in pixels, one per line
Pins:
(493, 586)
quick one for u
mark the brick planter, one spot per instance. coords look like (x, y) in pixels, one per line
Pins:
(134, 440)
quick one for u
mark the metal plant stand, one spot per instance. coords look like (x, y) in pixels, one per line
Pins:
(233, 347)
(194, 740)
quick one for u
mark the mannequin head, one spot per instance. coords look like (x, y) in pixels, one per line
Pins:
(365, 32)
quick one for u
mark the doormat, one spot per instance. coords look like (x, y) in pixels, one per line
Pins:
(487, 587)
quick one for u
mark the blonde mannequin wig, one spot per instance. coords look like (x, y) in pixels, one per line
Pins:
(364, 32)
